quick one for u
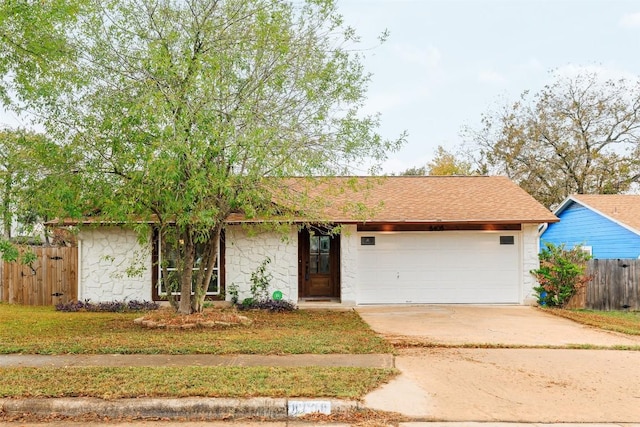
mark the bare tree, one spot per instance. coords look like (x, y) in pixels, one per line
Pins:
(577, 135)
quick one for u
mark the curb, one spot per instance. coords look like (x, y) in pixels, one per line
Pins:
(202, 408)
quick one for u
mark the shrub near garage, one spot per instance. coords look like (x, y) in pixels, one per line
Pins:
(561, 274)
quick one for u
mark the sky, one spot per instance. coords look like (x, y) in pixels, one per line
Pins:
(446, 62)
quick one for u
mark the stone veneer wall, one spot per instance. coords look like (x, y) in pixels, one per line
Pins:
(348, 264)
(530, 247)
(244, 251)
(106, 253)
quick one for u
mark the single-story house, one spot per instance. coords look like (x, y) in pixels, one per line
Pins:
(605, 225)
(425, 239)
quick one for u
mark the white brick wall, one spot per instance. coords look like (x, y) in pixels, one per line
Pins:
(530, 246)
(106, 253)
(245, 250)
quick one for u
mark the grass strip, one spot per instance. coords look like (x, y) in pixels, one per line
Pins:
(42, 330)
(416, 344)
(626, 322)
(239, 382)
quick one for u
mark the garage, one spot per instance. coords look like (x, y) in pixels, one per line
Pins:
(446, 267)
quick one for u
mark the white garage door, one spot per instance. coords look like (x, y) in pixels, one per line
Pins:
(438, 267)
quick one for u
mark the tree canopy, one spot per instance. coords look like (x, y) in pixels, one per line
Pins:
(443, 163)
(579, 134)
(175, 111)
(448, 163)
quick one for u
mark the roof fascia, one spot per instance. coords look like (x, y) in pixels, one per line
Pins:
(565, 203)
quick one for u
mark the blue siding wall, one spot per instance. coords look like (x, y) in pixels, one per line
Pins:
(581, 226)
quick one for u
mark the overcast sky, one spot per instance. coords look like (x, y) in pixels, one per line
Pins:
(448, 61)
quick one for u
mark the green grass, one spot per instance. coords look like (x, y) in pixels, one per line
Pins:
(626, 322)
(112, 383)
(42, 330)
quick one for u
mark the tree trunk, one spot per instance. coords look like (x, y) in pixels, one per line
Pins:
(209, 259)
(187, 260)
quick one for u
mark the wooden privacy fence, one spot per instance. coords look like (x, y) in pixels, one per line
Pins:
(51, 279)
(615, 286)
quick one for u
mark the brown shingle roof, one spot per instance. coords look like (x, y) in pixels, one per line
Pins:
(398, 199)
(624, 208)
(418, 199)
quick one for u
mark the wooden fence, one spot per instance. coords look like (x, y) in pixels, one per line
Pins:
(614, 286)
(51, 279)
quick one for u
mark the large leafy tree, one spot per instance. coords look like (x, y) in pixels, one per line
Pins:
(177, 110)
(16, 167)
(26, 174)
(579, 134)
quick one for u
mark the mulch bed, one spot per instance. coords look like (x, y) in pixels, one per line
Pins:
(167, 318)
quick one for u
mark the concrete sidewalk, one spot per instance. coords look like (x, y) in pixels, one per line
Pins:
(115, 360)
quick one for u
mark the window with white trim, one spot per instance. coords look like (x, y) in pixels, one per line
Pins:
(172, 271)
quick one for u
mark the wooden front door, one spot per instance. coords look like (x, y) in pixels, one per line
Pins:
(319, 264)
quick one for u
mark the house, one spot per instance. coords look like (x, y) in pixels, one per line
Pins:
(605, 225)
(420, 240)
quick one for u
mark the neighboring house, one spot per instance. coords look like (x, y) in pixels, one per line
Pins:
(427, 240)
(605, 225)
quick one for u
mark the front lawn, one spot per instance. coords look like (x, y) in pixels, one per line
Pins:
(626, 322)
(42, 330)
(219, 381)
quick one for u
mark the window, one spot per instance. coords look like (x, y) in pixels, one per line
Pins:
(586, 249)
(214, 284)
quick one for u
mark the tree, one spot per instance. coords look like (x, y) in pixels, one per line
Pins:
(444, 163)
(177, 111)
(20, 151)
(414, 171)
(447, 163)
(577, 135)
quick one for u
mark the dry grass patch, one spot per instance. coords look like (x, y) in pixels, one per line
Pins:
(218, 381)
(359, 418)
(355, 418)
(42, 330)
(626, 322)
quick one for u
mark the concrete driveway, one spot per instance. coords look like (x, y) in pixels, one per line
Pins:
(517, 384)
(482, 324)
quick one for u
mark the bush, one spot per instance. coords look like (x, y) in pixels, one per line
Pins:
(267, 304)
(561, 274)
(111, 306)
(260, 298)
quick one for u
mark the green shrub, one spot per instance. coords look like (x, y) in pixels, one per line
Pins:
(561, 274)
(260, 298)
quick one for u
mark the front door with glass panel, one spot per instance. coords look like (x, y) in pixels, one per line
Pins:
(319, 264)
